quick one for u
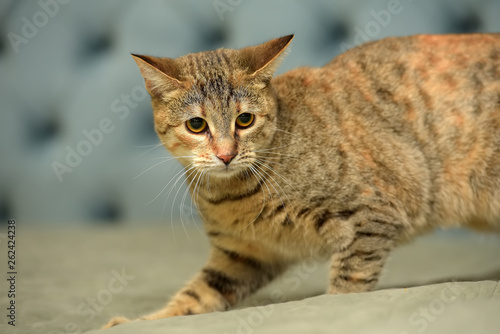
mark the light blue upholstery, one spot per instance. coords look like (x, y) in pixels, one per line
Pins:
(73, 73)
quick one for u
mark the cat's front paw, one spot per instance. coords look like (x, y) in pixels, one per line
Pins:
(115, 322)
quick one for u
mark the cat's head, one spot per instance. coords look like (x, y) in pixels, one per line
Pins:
(213, 110)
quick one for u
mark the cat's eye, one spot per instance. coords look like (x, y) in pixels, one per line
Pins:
(245, 120)
(196, 125)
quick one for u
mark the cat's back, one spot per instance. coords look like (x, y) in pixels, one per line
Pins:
(429, 101)
(427, 48)
(404, 71)
(441, 95)
(422, 54)
(408, 85)
(423, 81)
(437, 69)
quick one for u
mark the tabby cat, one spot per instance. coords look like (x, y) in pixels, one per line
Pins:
(389, 140)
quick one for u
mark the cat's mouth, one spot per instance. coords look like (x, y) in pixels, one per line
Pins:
(231, 169)
(227, 170)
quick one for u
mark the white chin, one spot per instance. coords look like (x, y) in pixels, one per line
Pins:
(226, 171)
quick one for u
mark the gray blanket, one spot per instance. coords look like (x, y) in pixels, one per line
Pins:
(73, 281)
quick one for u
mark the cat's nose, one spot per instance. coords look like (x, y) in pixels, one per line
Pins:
(226, 158)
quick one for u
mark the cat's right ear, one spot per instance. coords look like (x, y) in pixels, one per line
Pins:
(160, 74)
(262, 60)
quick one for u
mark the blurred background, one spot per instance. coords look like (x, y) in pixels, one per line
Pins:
(76, 126)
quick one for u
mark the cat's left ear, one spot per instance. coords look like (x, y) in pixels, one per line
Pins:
(262, 60)
(161, 75)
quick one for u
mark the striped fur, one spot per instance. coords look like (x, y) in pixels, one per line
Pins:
(388, 140)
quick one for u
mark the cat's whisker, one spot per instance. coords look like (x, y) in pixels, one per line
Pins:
(247, 173)
(285, 180)
(168, 195)
(183, 171)
(153, 147)
(272, 148)
(150, 168)
(163, 158)
(181, 177)
(259, 171)
(278, 174)
(182, 204)
(196, 198)
(196, 192)
(182, 208)
(252, 170)
(287, 132)
(207, 173)
(277, 155)
(262, 179)
(191, 171)
(197, 179)
(172, 158)
(147, 170)
(145, 146)
(208, 183)
(271, 162)
(197, 171)
(277, 192)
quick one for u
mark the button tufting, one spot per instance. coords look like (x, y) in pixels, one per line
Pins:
(40, 129)
(93, 46)
(467, 24)
(338, 32)
(2, 45)
(5, 210)
(105, 210)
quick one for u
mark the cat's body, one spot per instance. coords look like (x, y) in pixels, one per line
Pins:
(389, 140)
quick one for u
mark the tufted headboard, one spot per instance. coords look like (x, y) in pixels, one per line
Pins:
(77, 141)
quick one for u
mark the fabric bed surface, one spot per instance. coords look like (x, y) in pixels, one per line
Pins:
(73, 281)
(440, 308)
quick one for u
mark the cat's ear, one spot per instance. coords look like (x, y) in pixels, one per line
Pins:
(262, 60)
(160, 74)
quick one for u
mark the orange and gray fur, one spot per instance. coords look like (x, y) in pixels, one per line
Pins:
(389, 140)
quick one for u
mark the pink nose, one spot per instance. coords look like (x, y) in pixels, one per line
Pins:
(226, 158)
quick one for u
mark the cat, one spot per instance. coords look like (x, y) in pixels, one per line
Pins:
(387, 141)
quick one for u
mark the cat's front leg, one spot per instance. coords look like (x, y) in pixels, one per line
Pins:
(357, 267)
(229, 276)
